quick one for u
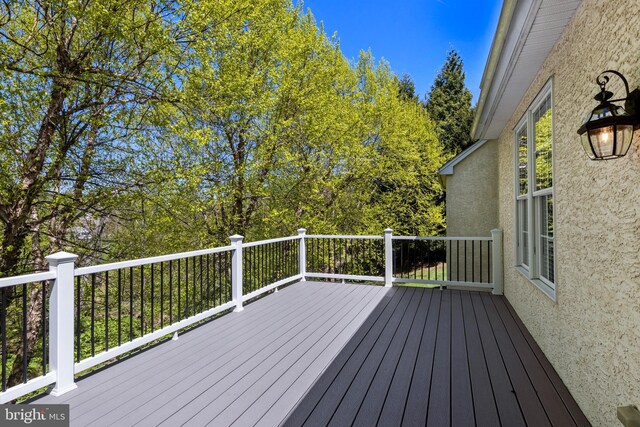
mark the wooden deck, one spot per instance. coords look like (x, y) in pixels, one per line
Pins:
(338, 354)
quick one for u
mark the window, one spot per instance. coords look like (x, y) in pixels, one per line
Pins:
(534, 193)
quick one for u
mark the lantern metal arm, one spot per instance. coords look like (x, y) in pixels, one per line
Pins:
(602, 81)
(632, 100)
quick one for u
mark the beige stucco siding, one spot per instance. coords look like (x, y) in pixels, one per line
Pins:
(592, 333)
(472, 192)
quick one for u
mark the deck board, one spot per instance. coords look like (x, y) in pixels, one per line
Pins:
(338, 354)
(465, 361)
(462, 413)
(484, 404)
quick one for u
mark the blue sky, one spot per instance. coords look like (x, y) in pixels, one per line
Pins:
(414, 36)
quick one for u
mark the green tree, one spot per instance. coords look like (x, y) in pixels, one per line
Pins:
(449, 105)
(76, 80)
(407, 88)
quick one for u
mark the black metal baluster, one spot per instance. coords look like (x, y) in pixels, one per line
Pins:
(78, 325)
(429, 266)
(481, 266)
(345, 268)
(25, 359)
(255, 271)
(422, 260)
(3, 325)
(179, 308)
(44, 327)
(199, 310)
(227, 260)
(93, 314)
(218, 271)
(106, 310)
(119, 307)
(161, 295)
(142, 300)
(402, 243)
(489, 260)
(186, 286)
(473, 261)
(208, 282)
(194, 309)
(153, 312)
(170, 292)
(333, 267)
(457, 259)
(130, 303)
(269, 250)
(465, 260)
(414, 263)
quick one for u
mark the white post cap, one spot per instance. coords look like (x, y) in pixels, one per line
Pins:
(60, 258)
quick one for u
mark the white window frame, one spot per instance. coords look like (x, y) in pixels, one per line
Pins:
(533, 198)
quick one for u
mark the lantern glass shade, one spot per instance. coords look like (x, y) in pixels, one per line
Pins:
(607, 132)
(599, 143)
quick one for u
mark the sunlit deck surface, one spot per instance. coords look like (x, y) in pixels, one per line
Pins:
(338, 354)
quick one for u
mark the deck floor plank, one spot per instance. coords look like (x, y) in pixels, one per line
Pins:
(462, 413)
(376, 373)
(568, 400)
(530, 404)
(343, 393)
(508, 407)
(219, 375)
(231, 329)
(385, 406)
(243, 394)
(415, 410)
(439, 408)
(195, 361)
(549, 398)
(484, 404)
(365, 336)
(322, 354)
(267, 409)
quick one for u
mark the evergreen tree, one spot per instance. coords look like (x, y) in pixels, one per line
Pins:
(407, 88)
(449, 105)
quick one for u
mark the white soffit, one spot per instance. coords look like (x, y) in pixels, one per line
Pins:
(534, 26)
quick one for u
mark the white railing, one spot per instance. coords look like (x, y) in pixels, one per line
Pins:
(228, 277)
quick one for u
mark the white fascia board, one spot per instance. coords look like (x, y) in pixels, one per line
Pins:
(447, 168)
(505, 79)
(519, 19)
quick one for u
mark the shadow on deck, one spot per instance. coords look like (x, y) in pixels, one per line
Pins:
(340, 354)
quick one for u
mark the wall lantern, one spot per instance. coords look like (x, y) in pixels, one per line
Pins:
(608, 130)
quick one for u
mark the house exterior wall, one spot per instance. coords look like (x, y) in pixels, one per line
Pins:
(591, 334)
(472, 192)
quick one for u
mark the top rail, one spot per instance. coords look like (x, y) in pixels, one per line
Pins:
(441, 238)
(144, 261)
(266, 242)
(329, 236)
(27, 278)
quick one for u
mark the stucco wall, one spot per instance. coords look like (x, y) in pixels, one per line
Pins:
(592, 333)
(472, 191)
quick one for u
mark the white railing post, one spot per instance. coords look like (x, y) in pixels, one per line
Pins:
(61, 327)
(497, 267)
(388, 257)
(302, 254)
(236, 271)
